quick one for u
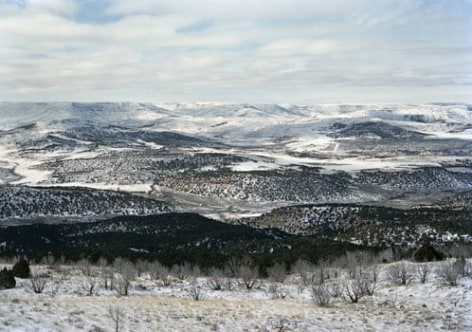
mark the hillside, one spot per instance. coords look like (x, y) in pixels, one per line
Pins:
(233, 160)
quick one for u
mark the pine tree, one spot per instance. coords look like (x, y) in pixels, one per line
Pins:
(21, 269)
(7, 279)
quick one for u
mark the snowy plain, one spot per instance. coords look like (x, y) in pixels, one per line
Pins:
(65, 306)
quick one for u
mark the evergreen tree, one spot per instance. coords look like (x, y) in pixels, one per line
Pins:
(7, 279)
(21, 269)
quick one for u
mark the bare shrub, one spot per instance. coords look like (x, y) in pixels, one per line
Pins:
(195, 291)
(90, 283)
(122, 285)
(56, 283)
(461, 265)
(108, 277)
(460, 250)
(351, 264)
(353, 290)
(320, 272)
(400, 273)
(373, 271)
(141, 266)
(232, 266)
(61, 260)
(182, 271)
(422, 272)
(276, 291)
(248, 274)
(230, 284)
(282, 325)
(277, 272)
(321, 294)
(38, 282)
(249, 277)
(106, 273)
(336, 290)
(359, 261)
(48, 260)
(117, 316)
(449, 272)
(160, 272)
(468, 268)
(362, 284)
(386, 255)
(369, 280)
(90, 273)
(126, 274)
(215, 279)
(304, 269)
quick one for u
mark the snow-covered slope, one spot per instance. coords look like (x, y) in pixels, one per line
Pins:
(272, 306)
(176, 116)
(261, 153)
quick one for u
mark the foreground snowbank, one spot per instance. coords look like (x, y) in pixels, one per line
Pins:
(65, 306)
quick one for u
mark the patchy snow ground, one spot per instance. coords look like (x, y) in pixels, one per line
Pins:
(64, 306)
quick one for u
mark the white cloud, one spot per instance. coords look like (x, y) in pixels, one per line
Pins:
(60, 7)
(235, 50)
(239, 10)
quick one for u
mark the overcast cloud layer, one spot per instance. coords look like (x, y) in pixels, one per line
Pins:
(298, 51)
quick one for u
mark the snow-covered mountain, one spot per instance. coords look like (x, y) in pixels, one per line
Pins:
(227, 160)
(212, 117)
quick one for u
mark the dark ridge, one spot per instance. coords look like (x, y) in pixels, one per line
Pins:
(28, 203)
(380, 129)
(19, 129)
(111, 135)
(171, 238)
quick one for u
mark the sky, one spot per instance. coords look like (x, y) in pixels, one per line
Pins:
(261, 51)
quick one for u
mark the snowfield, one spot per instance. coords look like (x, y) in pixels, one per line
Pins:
(65, 306)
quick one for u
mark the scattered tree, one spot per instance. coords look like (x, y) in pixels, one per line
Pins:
(160, 272)
(321, 272)
(276, 291)
(358, 261)
(126, 274)
(427, 253)
(7, 279)
(21, 269)
(353, 290)
(141, 266)
(305, 270)
(232, 266)
(422, 271)
(277, 272)
(461, 265)
(91, 275)
(106, 273)
(321, 294)
(400, 273)
(450, 272)
(362, 284)
(248, 274)
(182, 271)
(116, 314)
(49, 260)
(215, 279)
